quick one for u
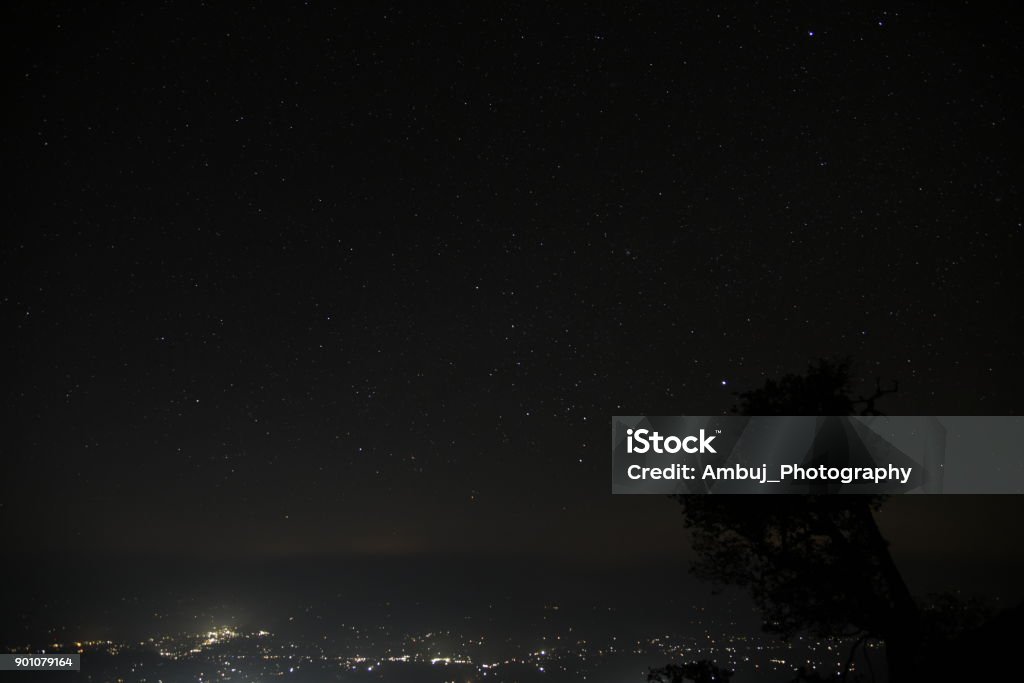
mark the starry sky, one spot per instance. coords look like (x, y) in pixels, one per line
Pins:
(287, 280)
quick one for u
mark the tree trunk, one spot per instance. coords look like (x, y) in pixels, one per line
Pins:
(903, 634)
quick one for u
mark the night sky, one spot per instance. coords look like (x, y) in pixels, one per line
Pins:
(296, 280)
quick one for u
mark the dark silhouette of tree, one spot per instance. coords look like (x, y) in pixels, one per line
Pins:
(819, 564)
(815, 564)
